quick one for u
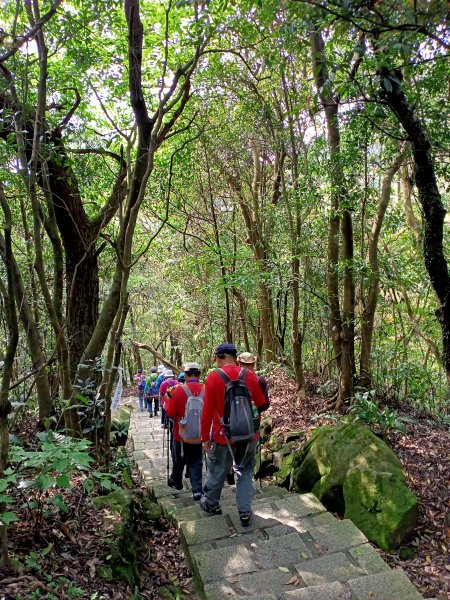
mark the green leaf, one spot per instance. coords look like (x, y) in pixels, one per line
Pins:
(8, 517)
(44, 482)
(88, 485)
(63, 481)
(59, 503)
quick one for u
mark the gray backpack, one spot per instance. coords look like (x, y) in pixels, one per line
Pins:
(190, 425)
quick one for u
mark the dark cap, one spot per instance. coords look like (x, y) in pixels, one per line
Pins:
(226, 348)
(139, 370)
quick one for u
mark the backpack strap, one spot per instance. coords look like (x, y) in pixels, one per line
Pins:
(187, 390)
(223, 376)
(243, 373)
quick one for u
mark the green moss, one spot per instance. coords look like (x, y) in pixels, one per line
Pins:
(275, 443)
(132, 508)
(283, 476)
(381, 505)
(355, 473)
(105, 572)
(117, 501)
(294, 435)
(265, 428)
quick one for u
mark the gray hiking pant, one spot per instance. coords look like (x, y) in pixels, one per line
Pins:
(219, 463)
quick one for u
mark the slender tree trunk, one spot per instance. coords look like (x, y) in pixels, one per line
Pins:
(342, 328)
(13, 338)
(413, 223)
(368, 315)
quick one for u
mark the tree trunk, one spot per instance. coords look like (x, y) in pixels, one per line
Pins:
(368, 314)
(342, 328)
(13, 338)
(430, 200)
(33, 341)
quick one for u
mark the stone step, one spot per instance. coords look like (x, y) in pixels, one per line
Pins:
(293, 549)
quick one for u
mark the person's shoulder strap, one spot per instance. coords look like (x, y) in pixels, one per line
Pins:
(223, 376)
(243, 373)
(189, 392)
(186, 390)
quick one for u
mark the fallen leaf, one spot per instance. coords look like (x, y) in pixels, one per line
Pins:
(292, 581)
(284, 569)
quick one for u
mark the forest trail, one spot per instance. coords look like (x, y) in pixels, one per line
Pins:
(294, 548)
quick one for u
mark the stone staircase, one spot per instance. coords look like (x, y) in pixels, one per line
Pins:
(293, 549)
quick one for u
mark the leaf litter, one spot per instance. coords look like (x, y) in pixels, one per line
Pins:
(424, 451)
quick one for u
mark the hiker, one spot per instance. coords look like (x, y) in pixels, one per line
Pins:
(184, 406)
(168, 382)
(224, 451)
(248, 361)
(152, 393)
(139, 379)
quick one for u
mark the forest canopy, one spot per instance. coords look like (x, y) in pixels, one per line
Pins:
(176, 174)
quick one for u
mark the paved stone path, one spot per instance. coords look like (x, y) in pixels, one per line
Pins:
(293, 550)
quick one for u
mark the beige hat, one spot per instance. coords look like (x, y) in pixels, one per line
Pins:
(192, 366)
(246, 358)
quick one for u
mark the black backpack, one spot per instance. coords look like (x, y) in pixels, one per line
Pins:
(237, 421)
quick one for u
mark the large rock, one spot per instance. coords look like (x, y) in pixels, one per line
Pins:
(357, 475)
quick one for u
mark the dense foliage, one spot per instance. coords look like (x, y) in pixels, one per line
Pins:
(179, 173)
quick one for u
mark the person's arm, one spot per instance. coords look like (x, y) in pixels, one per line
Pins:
(265, 390)
(257, 396)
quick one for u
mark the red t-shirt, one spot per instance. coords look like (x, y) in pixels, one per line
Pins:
(214, 401)
(176, 404)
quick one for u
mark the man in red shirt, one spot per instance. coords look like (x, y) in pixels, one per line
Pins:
(220, 458)
(183, 453)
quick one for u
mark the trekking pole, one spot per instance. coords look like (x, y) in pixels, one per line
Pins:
(166, 423)
(164, 442)
(260, 463)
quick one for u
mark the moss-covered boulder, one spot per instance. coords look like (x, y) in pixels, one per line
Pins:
(264, 463)
(356, 474)
(381, 505)
(265, 428)
(275, 443)
(283, 476)
(293, 435)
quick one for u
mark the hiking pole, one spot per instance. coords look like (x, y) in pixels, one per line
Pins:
(166, 423)
(164, 441)
(260, 463)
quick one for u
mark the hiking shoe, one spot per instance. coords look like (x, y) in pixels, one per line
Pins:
(245, 518)
(196, 496)
(150, 415)
(171, 483)
(209, 508)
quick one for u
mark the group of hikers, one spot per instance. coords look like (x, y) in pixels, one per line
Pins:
(219, 418)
